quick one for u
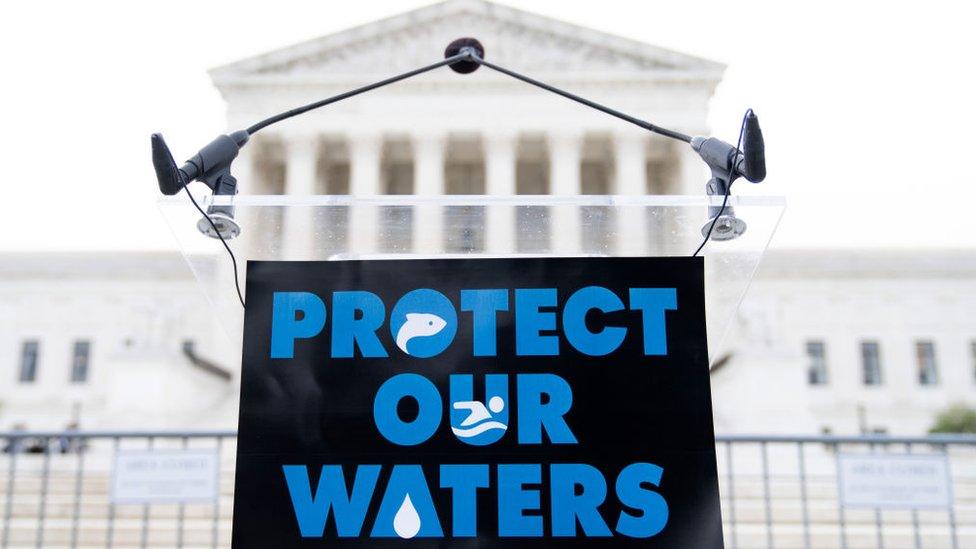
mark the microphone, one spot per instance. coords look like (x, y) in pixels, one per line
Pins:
(208, 165)
(211, 166)
(170, 179)
(727, 164)
(754, 161)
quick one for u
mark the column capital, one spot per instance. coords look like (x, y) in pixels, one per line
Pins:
(427, 143)
(364, 140)
(500, 137)
(428, 136)
(565, 152)
(565, 137)
(301, 156)
(429, 149)
(630, 158)
(300, 142)
(629, 136)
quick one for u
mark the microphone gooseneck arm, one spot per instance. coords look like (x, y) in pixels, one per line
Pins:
(212, 164)
(254, 128)
(470, 54)
(463, 55)
(584, 101)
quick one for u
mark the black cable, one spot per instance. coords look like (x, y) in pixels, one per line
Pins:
(346, 95)
(233, 259)
(592, 104)
(728, 187)
(725, 200)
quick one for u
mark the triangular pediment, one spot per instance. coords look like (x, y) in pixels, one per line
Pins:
(514, 38)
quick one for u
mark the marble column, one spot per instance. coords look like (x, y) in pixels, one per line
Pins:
(301, 158)
(501, 153)
(364, 182)
(244, 171)
(630, 167)
(428, 181)
(565, 155)
(693, 175)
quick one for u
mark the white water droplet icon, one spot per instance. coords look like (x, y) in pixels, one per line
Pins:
(406, 523)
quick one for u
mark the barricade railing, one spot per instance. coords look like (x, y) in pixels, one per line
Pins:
(56, 490)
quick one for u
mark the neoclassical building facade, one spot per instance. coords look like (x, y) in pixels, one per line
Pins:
(826, 340)
(477, 134)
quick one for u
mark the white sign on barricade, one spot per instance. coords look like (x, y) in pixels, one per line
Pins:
(894, 481)
(165, 476)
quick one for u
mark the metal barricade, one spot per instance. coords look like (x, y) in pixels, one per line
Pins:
(783, 492)
(777, 491)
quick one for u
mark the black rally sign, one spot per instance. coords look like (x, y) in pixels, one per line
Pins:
(476, 403)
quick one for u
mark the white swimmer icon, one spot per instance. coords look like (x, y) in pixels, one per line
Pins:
(418, 325)
(479, 418)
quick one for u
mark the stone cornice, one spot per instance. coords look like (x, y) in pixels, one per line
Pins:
(347, 81)
(537, 41)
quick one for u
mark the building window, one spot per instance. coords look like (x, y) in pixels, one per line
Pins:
(928, 372)
(972, 353)
(816, 363)
(28, 361)
(871, 362)
(80, 356)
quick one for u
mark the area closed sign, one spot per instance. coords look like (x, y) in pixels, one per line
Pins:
(894, 481)
(483, 402)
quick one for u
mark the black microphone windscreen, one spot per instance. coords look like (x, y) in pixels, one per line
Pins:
(167, 174)
(755, 150)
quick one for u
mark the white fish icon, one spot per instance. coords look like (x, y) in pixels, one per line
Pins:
(418, 325)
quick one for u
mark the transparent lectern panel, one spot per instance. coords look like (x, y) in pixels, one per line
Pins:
(337, 228)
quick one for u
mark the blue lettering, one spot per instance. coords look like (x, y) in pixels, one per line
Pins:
(654, 302)
(514, 499)
(428, 415)
(407, 481)
(652, 506)
(285, 326)
(312, 511)
(484, 304)
(568, 506)
(529, 321)
(534, 416)
(581, 302)
(347, 330)
(464, 481)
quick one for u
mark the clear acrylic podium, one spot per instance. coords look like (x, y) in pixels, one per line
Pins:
(337, 228)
